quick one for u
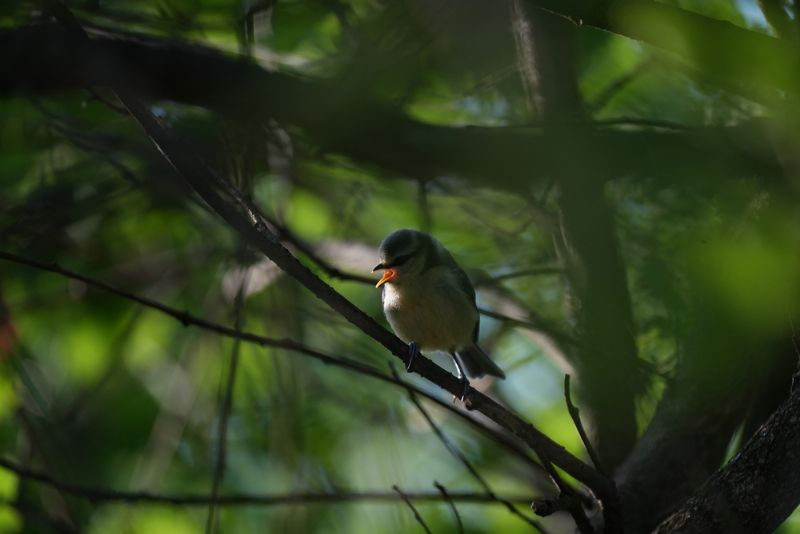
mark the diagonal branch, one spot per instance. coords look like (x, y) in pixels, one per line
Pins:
(534, 323)
(287, 235)
(188, 319)
(245, 220)
(575, 414)
(254, 231)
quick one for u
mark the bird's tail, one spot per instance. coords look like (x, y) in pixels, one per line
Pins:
(477, 363)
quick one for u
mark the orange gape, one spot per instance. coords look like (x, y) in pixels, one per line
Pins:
(388, 274)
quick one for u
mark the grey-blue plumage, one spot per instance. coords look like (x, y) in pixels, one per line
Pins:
(429, 300)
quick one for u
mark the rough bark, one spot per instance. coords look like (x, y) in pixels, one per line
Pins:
(606, 356)
(757, 490)
(710, 397)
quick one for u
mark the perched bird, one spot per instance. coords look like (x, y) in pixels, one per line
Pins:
(430, 302)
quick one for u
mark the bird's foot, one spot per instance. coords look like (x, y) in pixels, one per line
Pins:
(413, 351)
(465, 388)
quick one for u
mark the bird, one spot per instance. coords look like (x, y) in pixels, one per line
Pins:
(429, 302)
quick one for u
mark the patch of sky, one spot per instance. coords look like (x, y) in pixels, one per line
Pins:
(752, 13)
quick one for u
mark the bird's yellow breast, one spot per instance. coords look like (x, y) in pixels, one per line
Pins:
(431, 310)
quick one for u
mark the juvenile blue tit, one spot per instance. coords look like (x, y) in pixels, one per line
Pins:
(430, 302)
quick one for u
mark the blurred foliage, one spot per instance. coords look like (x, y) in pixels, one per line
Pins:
(103, 393)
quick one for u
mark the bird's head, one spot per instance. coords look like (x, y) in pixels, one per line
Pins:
(404, 254)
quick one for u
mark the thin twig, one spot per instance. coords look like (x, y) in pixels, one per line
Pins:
(225, 410)
(567, 498)
(187, 319)
(95, 95)
(449, 445)
(599, 123)
(99, 494)
(408, 502)
(452, 504)
(533, 271)
(537, 325)
(608, 93)
(574, 413)
(456, 452)
(511, 320)
(641, 121)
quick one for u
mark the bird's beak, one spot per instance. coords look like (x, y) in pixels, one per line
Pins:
(388, 274)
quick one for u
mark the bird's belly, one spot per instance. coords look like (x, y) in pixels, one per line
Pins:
(439, 324)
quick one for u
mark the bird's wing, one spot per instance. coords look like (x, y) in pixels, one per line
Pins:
(441, 256)
(465, 287)
(476, 331)
(464, 283)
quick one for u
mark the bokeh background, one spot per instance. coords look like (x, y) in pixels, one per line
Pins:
(697, 161)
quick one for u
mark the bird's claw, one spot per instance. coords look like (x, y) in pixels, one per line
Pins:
(413, 351)
(465, 388)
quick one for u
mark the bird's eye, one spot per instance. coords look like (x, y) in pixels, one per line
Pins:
(400, 260)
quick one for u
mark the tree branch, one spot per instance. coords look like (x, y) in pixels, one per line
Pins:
(99, 494)
(407, 500)
(452, 504)
(534, 271)
(537, 324)
(757, 490)
(45, 58)
(568, 500)
(606, 350)
(575, 414)
(711, 393)
(287, 235)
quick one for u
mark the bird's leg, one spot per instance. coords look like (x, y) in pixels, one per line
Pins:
(413, 351)
(462, 376)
